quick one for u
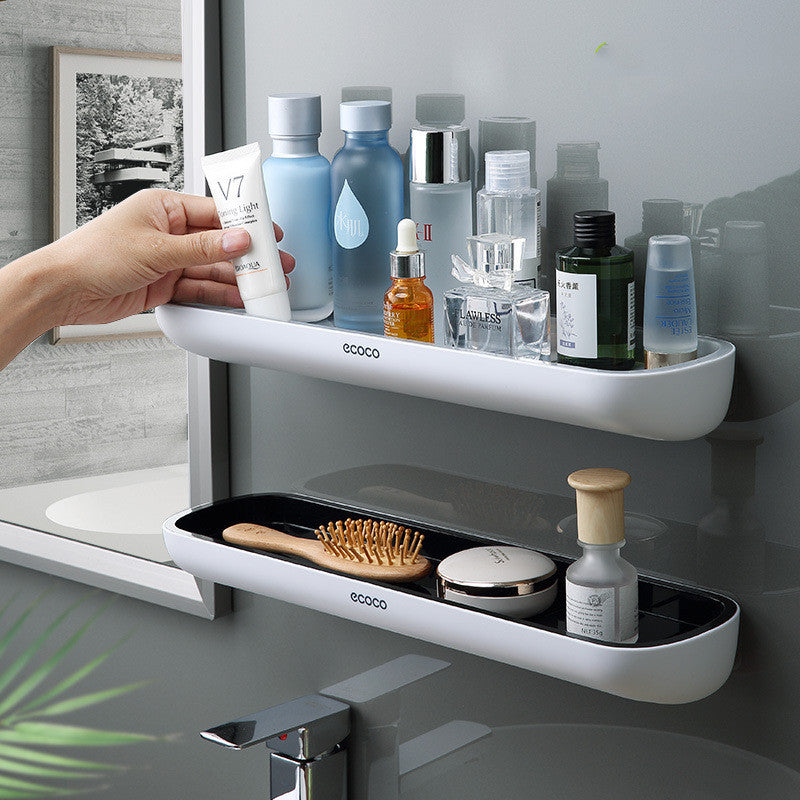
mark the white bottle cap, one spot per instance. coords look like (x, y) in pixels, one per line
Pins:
(294, 114)
(669, 252)
(365, 116)
(272, 306)
(508, 170)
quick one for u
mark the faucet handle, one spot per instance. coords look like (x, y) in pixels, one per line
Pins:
(304, 728)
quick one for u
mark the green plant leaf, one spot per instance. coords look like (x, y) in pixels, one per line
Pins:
(36, 677)
(49, 734)
(39, 757)
(82, 701)
(27, 786)
(37, 771)
(71, 680)
(12, 631)
(8, 676)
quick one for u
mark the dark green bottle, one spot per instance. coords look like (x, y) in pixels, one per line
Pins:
(595, 304)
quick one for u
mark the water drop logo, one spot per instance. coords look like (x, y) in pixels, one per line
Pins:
(350, 223)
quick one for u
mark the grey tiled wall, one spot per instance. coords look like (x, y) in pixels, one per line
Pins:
(75, 409)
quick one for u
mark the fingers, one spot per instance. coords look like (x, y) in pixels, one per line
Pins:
(222, 272)
(287, 261)
(207, 292)
(172, 252)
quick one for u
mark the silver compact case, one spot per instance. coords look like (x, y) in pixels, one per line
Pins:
(503, 579)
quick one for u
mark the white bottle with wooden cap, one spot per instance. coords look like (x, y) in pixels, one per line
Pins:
(601, 587)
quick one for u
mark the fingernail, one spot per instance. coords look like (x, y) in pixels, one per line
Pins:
(235, 240)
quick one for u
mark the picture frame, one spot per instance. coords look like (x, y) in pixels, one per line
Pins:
(117, 127)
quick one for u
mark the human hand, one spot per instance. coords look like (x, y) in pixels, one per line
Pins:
(152, 248)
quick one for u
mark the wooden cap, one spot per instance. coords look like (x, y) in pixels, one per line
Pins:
(601, 509)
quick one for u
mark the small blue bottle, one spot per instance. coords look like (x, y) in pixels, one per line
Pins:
(298, 183)
(670, 308)
(367, 204)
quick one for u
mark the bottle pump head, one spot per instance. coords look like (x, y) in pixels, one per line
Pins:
(407, 261)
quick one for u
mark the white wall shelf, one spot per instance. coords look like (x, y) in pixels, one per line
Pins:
(687, 636)
(673, 403)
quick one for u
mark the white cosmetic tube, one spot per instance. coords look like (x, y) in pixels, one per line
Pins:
(237, 187)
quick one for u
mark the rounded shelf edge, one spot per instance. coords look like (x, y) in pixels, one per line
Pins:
(644, 404)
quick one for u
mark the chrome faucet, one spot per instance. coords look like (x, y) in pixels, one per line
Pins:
(306, 736)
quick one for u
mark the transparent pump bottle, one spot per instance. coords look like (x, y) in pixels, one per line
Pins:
(602, 589)
(508, 204)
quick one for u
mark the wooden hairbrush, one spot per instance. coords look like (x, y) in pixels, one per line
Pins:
(363, 547)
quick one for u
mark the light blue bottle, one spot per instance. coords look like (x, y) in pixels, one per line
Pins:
(367, 199)
(298, 183)
(670, 308)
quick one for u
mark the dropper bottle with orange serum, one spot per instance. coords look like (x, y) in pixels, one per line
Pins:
(408, 305)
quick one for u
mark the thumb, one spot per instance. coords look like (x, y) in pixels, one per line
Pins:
(206, 247)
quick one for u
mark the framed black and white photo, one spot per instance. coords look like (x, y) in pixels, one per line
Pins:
(117, 128)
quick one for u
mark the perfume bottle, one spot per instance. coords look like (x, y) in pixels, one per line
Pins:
(659, 218)
(367, 198)
(508, 204)
(440, 198)
(670, 308)
(408, 305)
(602, 589)
(298, 183)
(491, 313)
(595, 302)
(576, 185)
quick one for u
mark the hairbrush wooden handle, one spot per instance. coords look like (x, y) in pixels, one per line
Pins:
(260, 537)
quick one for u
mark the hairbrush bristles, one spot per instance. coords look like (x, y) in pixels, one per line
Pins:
(371, 541)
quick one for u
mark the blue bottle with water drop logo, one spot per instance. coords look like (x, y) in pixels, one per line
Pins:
(366, 205)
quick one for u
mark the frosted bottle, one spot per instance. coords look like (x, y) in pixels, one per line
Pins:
(601, 588)
(440, 195)
(670, 308)
(508, 204)
(298, 183)
(660, 217)
(439, 109)
(367, 200)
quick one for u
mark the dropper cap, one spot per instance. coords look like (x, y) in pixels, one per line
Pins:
(601, 507)
(407, 261)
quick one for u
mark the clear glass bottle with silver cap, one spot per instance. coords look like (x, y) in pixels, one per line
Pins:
(408, 305)
(508, 204)
(440, 198)
(489, 312)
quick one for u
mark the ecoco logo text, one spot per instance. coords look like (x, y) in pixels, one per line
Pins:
(358, 350)
(366, 600)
